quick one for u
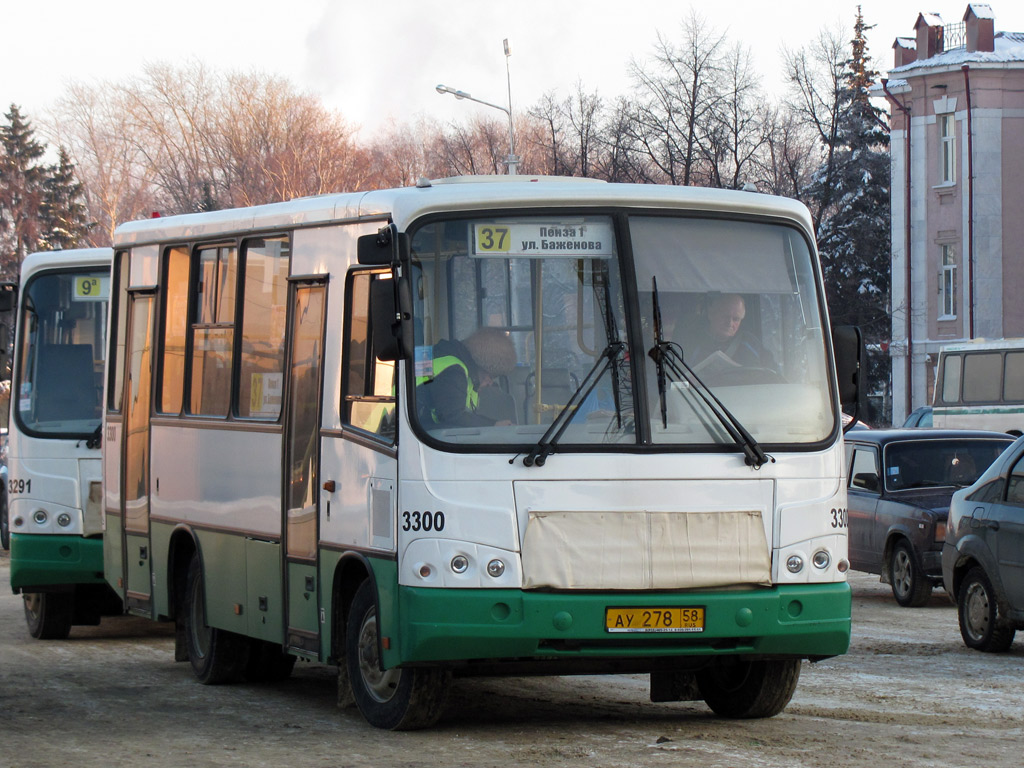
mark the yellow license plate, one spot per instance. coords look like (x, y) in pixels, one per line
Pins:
(654, 619)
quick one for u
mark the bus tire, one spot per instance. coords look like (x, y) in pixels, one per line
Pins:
(217, 656)
(268, 663)
(910, 586)
(982, 625)
(5, 523)
(740, 689)
(49, 614)
(395, 699)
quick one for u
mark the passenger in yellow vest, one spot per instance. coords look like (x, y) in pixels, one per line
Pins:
(464, 390)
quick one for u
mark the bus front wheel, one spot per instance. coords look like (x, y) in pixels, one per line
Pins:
(217, 656)
(49, 614)
(395, 699)
(740, 689)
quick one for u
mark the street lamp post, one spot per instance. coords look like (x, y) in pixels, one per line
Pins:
(511, 162)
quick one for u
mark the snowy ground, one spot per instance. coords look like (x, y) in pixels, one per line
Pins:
(908, 693)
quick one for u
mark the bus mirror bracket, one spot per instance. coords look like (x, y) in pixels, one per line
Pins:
(848, 346)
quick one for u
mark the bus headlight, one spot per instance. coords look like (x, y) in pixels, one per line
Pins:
(63, 519)
(495, 568)
(822, 559)
(795, 564)
(40, 516)
(460, 563)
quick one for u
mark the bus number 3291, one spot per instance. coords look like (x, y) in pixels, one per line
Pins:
(422, 521)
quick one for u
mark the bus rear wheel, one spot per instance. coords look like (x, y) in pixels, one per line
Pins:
(395, 699)
(49, 614)
(740, 689)
(217, 656)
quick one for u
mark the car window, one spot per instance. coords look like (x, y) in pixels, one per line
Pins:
(864, 470)
(938, 463)
(990, 493)
(1015, 488)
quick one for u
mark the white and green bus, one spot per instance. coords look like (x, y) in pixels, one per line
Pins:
(457, 429)
(980, 385)
(54, 478)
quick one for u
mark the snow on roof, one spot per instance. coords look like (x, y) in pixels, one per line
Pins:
(1009, 49)
(980, 11)
(931, 19)
(910, 43)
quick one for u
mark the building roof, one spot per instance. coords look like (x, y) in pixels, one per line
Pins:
(1009, 49)
(980, 11)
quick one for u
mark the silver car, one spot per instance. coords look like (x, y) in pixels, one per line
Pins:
(983, 555)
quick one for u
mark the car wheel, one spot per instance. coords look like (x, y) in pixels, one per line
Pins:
(49, 614)
(747, 689)
(217, 656)
(981, 625)
(910, 587)
(396, 699)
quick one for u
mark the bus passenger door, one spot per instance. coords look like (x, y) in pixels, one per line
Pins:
(302, 464)
(135, 453)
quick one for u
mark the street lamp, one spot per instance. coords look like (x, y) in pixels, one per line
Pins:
(511, 162)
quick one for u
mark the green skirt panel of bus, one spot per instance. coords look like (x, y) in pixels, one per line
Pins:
(811, 620)
(38, 561)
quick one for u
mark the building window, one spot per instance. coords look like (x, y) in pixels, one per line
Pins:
(947, 148)
(947, 283)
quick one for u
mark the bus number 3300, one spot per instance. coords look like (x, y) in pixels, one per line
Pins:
(422, 521)
(839, 518)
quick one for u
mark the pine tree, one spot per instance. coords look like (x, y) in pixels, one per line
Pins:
(21, 190)
(62, 214)
(853, 234)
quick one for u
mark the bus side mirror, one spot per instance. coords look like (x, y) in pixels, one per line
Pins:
(848, 346)
(8, 296)
(387, 248)
(391, 327)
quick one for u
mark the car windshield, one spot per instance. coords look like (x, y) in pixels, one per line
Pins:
(60, 362)
(522, 322)
(938, 463)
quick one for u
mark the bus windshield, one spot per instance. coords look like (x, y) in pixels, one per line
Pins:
(60, 383)
(522, 321)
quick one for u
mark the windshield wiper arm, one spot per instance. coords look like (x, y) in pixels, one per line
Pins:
(546, 445)
(667, 355)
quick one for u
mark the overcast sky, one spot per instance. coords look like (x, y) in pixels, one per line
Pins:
(378, 60)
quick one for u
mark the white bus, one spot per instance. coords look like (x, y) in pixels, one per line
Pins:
(980, 385)
(54, 480)
(456, 429)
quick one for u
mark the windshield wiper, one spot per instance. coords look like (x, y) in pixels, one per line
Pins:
(546, 445)
(668, 357)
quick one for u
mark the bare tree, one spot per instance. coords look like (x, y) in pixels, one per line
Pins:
(116, 178)
(739, 128)
(815, 77)
(679, 95)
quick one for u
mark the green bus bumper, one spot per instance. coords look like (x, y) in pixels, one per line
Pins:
(49, 560)
(805, 621)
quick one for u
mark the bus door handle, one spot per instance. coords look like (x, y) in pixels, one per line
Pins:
(143, 555)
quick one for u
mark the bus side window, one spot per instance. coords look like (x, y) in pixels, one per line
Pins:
(368, 383)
